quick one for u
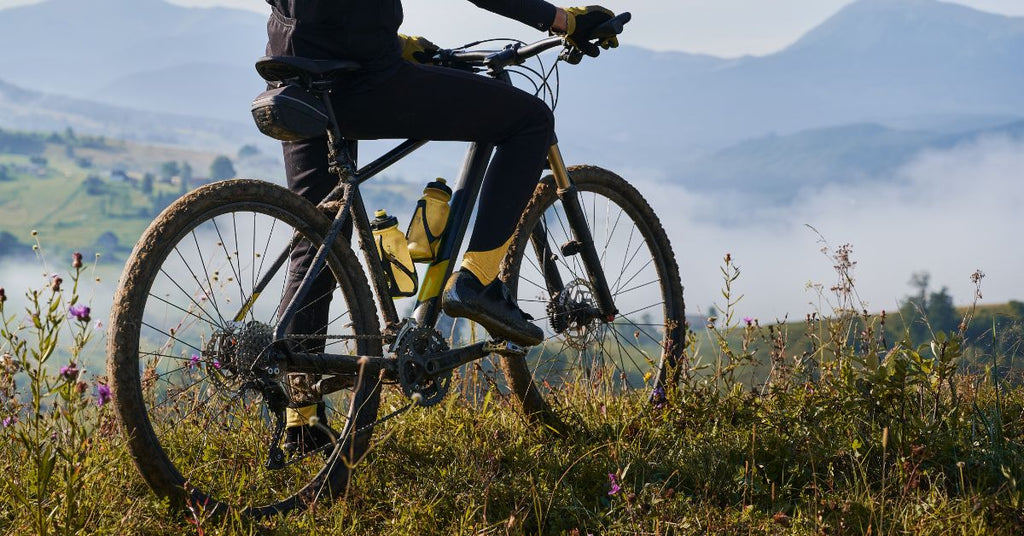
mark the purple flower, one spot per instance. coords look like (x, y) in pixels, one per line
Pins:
(102, 394)
(216, 364)
(69, 372)
(79, 312)
(9, 421)
(748, 320)
(658, 397)
(613, 486)
(76, 260)
(193, 361)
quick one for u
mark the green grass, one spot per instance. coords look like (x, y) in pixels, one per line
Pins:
(848, 439)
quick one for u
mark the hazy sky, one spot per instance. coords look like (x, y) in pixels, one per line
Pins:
(720, 27)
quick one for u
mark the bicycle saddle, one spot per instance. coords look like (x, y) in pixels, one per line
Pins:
(280, 68)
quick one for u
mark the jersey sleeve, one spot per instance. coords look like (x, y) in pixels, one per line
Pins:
(536, 13)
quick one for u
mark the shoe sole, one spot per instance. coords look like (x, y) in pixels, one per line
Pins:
(497, 328)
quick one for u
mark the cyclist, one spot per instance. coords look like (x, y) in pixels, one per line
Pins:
(393, 96)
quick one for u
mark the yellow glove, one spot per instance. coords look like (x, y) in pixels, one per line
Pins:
(581, 22)
(417, 49)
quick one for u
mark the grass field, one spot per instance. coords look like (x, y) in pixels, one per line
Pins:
(850, 437)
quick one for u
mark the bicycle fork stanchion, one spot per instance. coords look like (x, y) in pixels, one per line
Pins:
(583, 241)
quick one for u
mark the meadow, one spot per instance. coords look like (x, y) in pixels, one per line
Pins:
(854, 433)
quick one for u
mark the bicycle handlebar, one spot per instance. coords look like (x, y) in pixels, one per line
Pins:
(516, 54)
(613, 27)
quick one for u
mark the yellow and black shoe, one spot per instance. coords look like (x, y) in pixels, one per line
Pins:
(491, 306)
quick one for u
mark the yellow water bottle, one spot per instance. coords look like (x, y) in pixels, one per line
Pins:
(394, 255)
(429, 221)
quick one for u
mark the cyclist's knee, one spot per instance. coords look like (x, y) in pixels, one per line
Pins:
(542, 120)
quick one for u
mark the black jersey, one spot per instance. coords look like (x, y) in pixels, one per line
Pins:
(366, 30)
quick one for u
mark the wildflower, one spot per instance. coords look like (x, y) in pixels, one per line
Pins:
(80, 312)
(658, 397)
(76, 260)
(9, 421)
(3, 295)
(102, 395)
(613, 486)
(216, 364)
(193, 362)
(55, 282)
(69, 372)
(748, 320)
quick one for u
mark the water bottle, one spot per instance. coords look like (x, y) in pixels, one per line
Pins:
(429, 221)
(394, 254)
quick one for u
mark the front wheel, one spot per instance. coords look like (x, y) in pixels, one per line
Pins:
(189, 354)
(584, 355)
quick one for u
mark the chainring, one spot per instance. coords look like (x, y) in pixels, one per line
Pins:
(412, 346)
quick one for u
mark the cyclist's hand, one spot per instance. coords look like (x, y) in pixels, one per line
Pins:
(417, 49)
(581, 22)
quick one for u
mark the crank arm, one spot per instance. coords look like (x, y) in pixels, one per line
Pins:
(452, 359)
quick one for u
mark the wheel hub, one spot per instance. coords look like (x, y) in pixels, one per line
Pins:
(573, 313)
(241, 353)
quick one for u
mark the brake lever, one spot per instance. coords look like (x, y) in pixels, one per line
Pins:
(571, 55)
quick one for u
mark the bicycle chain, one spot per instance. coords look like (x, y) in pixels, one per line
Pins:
(337, 337)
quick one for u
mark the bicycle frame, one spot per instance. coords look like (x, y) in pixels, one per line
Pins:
(428, 305)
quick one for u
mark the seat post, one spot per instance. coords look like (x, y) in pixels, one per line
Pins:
(340, 152)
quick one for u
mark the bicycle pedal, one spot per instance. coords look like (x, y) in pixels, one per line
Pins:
(571, 248)
(504, 348)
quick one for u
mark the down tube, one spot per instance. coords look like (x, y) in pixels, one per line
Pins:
(428, 304)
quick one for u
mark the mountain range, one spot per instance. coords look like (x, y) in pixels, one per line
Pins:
(880, 77)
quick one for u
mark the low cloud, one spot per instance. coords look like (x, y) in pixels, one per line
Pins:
(948, 213)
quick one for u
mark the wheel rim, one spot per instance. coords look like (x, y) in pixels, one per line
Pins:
(588, 355)
(215, 431)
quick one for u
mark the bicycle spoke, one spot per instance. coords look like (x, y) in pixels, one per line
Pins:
(202, 261)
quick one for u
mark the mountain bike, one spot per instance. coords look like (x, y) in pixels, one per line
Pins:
(203, 364)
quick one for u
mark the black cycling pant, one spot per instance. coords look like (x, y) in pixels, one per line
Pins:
(431, 103)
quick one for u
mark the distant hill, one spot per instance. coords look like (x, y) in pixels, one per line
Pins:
(99, 50)
(920, 65)
(874, 61)
(776, 167)
(35, 111)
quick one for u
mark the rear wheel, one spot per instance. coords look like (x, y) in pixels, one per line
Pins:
(190, 357)
(584, 355)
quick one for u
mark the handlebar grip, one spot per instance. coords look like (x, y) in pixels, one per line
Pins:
(611, 28)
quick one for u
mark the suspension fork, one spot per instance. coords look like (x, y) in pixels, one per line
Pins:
(582, 242)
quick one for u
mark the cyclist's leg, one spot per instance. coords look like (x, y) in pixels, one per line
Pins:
(445, 104)
(307, 174)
